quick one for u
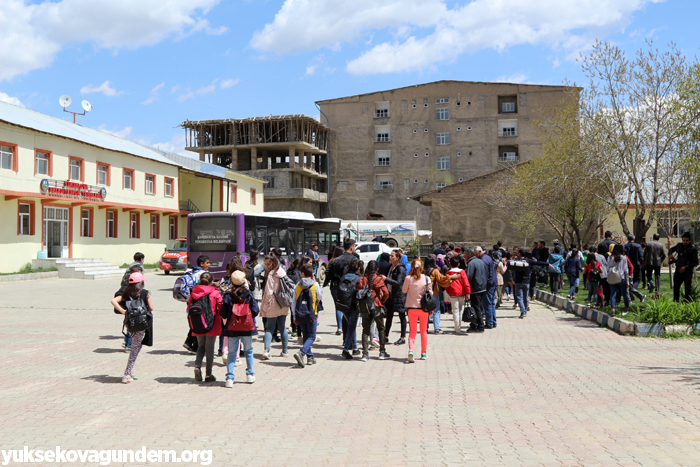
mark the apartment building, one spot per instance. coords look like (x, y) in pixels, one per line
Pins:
(389, 146)
(289, 152)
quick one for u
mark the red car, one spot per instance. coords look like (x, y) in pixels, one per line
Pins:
(175, 256)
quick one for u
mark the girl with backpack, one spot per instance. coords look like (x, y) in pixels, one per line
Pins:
(225, 285)
(618, 278)
(379, 293)
(592, 273)
(239, 295)
(271, 309)
(134, 291)
(205, 290)
(415, 286)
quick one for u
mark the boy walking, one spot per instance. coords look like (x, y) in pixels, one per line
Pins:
(305, 313)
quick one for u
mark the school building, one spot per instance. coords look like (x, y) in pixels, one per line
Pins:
(67, 191)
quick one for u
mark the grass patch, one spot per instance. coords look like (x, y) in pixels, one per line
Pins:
(28, 269)
(145, 265)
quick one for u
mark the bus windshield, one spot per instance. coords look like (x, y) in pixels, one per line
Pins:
(178, 245)
(216, 233)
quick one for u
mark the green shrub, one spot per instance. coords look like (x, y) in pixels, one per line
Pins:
(666, 311)
(26, 269)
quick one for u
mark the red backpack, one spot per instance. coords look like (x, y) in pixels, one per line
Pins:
(241, 318)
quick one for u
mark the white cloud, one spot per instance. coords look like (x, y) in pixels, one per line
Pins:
(40, 30)
(229, 83)
(104, 88)
(310, 70)
(203, 91)
(10, 100)
(451, 32)
(123, 133)
(176, 145)
(516, 78)
(154, 94)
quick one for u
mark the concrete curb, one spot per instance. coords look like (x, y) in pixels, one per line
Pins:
(28, 277)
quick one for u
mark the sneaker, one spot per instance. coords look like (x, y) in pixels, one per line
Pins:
(365, 358)
(589, 304)
(229, 383)
(220, 353)
(225, 359)
(644, 297)
(338, 332)
(576, 289)
(410, 356)
(401, 341)
(300, 359)
(318, 338)
(515, 306)
(250, 379)
(266, 355)
(438, 331)
(424, 356)
(126, 379)
(238, 362)
(528, 308)
(284, 353)
(356, 352)
(187, 346)
(310, 361)
(474, 330)
(294, 334)
(375, 342)
(522, 315)
(347, 355)
(568, 297)
(209, 379)
(126, 349)
(384, 356)
(197, 373)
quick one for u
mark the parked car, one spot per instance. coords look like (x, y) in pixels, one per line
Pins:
(175, 256)
(371, 250)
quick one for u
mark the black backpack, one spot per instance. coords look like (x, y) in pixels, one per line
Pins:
(250, 277)
(304, 311)
(137, 317)
(200, 315)
(365, 299)
(345, 299)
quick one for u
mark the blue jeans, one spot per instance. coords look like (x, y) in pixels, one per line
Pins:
(490, 306)
(619, 290)
(128, 339)
(521, 296)
(247, 343)
(308, 334)
(280, 322)
(350, 342)
(338, 313)
(592, 291)
(573, 282)
(436, 318)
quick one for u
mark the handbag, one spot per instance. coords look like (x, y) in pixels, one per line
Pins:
(428, 303)
(467, 314)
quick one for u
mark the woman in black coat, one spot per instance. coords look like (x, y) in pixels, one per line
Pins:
(397, 299)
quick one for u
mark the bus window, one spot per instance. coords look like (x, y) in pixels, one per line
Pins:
(261, 241)
(209, 234)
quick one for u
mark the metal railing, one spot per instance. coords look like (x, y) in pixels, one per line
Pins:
(188, 206)
(384, 186)
(383, 113)
(508, 132)
(508, 157)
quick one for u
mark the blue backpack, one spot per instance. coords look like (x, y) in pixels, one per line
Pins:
(304, 311)
(184, 284)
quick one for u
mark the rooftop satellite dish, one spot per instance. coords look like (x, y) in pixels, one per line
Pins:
(64, 101)
(86, 106)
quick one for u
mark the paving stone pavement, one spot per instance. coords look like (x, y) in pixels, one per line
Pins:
(550, 390)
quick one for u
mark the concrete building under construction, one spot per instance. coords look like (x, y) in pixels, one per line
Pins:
(289, 152)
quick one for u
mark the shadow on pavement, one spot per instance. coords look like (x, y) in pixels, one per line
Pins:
(106, 350)
(181, 380)
(170, 352)
(111, 337)
(689, 375)
(104, 379)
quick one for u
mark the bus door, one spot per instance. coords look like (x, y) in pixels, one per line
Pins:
(296, 241)
(261, 240)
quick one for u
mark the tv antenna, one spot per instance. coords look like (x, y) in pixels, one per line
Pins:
(65, 101)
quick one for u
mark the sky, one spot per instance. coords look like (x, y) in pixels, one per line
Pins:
(148, 65)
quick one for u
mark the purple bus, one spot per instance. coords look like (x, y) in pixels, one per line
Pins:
(223, 235)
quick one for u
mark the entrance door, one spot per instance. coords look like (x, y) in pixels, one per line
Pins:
(56, 232)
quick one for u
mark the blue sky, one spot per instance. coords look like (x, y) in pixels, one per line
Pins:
(147, 65)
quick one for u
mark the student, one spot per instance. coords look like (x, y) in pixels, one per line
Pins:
(572, 267)
(384, 265)
(380, 294)
(415, 286)
(618, 277)
(226, 285)
(239, 293)
(308, 296)
(439, 282)
(206, 342)
(555, 262)
(196, 272)
(457, 291)
(135, 267)
(276, 315)
(592, 274)
(352, 314)
(134, 291)
(333, 280)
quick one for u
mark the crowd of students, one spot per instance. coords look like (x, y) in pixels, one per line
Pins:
(469, 283)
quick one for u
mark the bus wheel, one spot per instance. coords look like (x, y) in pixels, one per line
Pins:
(391, 243)
(167, 271)
(321, 274)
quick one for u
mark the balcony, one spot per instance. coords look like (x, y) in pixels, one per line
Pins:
(307, 194)
(381, 113)
(508, 157)
(382, 138)
(507, 132)
(384, 186)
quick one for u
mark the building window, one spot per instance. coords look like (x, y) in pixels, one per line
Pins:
(443, 138)
(508, 157)
(7, 157)
(74, 173)
(101, 175)
(253, 201)
(508, 107)
(406, 183)
(440, 185)
(442, 100)
(134, 225)
(111, 224)
(442, 114)
(381, 110)
(234, 194)
(270, 182)
(168, 187)
(361, 185)
(128, 179)
(25, 219)
(278, 160)
(382, 133)
(42, 164)
(382, 158)
(155, 226)
(172, 228)
(86, 222)
(507, 128)
(150, 184)
(384, 182)
(443, 163)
